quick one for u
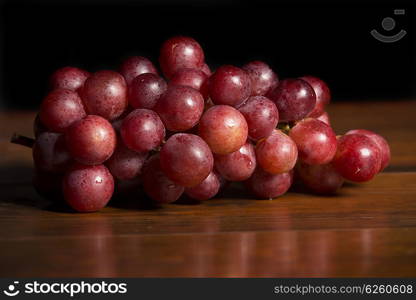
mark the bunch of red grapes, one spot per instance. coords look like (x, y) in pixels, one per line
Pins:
(192, 131)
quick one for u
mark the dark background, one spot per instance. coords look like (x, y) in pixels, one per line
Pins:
(329, 40)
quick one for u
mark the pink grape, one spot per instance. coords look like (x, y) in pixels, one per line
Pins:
(69, 78)
(135, 66)
(263, 79)
(324, 117)
(207, 189)
(145, 90)
(268, 186)
(193, 78)
(322, 92)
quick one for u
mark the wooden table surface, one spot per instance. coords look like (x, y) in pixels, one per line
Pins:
(366, 230)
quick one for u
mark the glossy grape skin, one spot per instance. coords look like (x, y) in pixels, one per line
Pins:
(125, 164)
(277, 153)
(91, 141)
(38, 126)
(142, 130)
(358, 158)
(322, 93)
(180, 52)
(294, 99)
(321, 179)
(61, 108)
(316, 141)
(157, 185)
(324, 117)
(238, 165)
(223, 128)
(381, 143)
(69, 78)
(207, 189)
(105, 94)
(189, 77)
(180, 107)
(229, 85)
(135, 66)
(88, 188)
(145, 90)
(261, 115)
(206, 69)
(268, 186)
(263, 79)
(50, 153)
(186, 159)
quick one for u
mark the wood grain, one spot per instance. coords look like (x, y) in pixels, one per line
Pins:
(365, 230)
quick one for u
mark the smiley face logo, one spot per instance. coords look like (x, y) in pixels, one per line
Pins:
(11, 290)
(388, 24)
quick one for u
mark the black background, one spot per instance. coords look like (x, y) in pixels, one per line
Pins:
(329, 40)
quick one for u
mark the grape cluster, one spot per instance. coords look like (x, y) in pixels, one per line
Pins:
(191, 131)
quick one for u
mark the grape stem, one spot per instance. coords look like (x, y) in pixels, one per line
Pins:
(22, 140)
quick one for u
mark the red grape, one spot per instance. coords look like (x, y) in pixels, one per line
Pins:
(145, 90)
(180, 52)
(135, 66)
(180, 107)
(315, 140)
(105, 94)
(206, 189)
(189, 77)
(186, 159)
(268, 186)
(229, 85)
(238, 165)
(223, 128)
(205, 68)
(50, 153)
(324, 117)
(381, 143)
(321, 179)
(358, 157)
(60, 109)
(277, 153)
(91, 141)
(261, 115)
(69, 78)
(142, 130)
(157, 185)
(125, 164)
(263, 79)
(88, 188)
(294, 99)
(322, 92)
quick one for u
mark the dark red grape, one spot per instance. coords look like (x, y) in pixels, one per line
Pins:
(180, 52)
(142, 130)
(180, 107)
(91, 141)
(206, 69)
(207, 189)
(294, 99)
(189, 77)
(322, 92)
(238, 165)
(69, 78)
(125, 164)
(50, 153)
(186, 159)
(157, 185)
(380, 141)
(263, 79)
(88, 188)
(223, 128)
(277, 153)
(261, 115)
(60, 109)
(105, 94)
(358, 157)
(321, 179)
(145, 90)
(315, 140)
(324, 118)
(229, 85)
(135, 66)
(268, 186)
